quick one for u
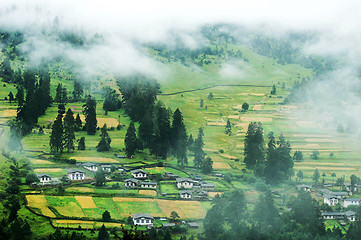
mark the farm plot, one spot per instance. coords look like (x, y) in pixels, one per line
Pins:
(39, 202)
(9, 113)
(185, 209)
(85, 201)
(74, 223)
(148, 192)
(110, 122)
(66, 206)
(129, 206)
(80, 189)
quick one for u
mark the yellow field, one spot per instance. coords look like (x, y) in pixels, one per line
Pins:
(85, 201)
(148, 192)
(233, 116)
(81, 189)
(185, 209)
(111, 122)
(256, 119)
(228, 156)
(9, 113)
(74, 223)
(221, 165)
(94, 159)
(216, 123)
(108, 224)
(257, 107)
(48, 170)
(213, 194)
(71, 209)
(39, 161)
(40, 202)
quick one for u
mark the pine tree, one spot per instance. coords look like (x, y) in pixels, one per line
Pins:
(111, 100)
(207, 165)
(228, 128)
(20, 97)
(266, 213)
(89, 111)
(146, 128)
(11, 97)
(61, 94)
(78, 123)
(254, 146)
(6, 71)
(103, 234)
(56, 137)
(274, 90)
(15, 137)
(130, 141)
(179, 138)
(69, 135)
(81, 144)
(198, 149)
(78, 91)
(104, 143)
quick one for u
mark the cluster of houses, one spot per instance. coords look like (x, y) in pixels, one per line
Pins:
(144, 219)
(332, 198)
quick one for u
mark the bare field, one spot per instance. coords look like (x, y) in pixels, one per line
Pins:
(257, 107)
(225, 155)
(148, 192)
(221, 165)
(81, 189)
(256, 119)
(9, 113)
(110, 122)
(213, 194)
(216, 123)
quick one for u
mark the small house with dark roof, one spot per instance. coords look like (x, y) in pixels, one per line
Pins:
(193, 225)
(349, 187)
(170, 176)
(91, 166)
(131, 183)
(44, 178)
(207, 186)
(168, 225)
(304, 187)
(186, 194)
(349, 215)
(76, 174)
(139, 173)
(201, 195)
(330, 200)
(184, 182)
(148, 184)
(351, 201)
(106, 168)
(143, 219)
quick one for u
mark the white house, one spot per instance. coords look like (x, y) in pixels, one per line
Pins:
(139, 173)
(186, 194)
(349, 215)
(351, 201)
(330, 200)
(131, 183)
(184, 182)
(304, 187)
(106, 168)
(76, 174)
(91, 166)
(143, 219)
(148, 184)
(44, 178)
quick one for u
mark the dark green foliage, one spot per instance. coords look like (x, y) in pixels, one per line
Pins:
(160, 144)
(104, 143)
(11, 97)
(298, 156)
(300, 175)
(6, 72)
(265, 214)
(207, 165)
(89, 111)
(315, 155)
(210, 96)
(103, 234)
(279, 161)
(31, 178)
(57, 137)
(178, 138)
(81, 144)
(131, 141)
(198, 149)
(254, 146)
(59, 235)
(316, 176)
(245, 107)
(14, 143)
(69, 126)
(78, 91)
(274, 90)
(100, 178)
(106, 216)
(146, 128)
(201, 103)
(61, 94)
(20, 97)
(78, 123)
(111, 100)
(139, 94)
(228, 128)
